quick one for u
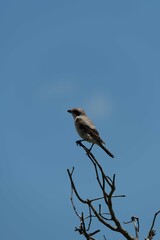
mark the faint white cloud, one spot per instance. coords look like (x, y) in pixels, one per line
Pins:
(59, 89)
(99, 105)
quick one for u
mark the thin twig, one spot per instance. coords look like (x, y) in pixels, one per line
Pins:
(90, 219)
(154, 219)
(74, 188)
(74, 208)
(152, 232)
(135, 221)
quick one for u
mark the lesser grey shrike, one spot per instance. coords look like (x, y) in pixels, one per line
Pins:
(86, 129)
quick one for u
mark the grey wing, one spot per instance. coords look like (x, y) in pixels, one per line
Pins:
(91, 130)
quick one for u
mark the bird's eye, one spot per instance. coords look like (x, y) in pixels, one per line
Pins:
(76, 112)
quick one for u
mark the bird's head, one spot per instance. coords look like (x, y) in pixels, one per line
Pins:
(76, 112)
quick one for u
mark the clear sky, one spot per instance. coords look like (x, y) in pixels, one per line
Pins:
(103, 56)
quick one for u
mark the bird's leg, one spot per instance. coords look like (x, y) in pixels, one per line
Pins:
(88, 151)
(91, 147)
(78, 142)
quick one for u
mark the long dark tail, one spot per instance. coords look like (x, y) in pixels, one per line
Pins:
(107, 151)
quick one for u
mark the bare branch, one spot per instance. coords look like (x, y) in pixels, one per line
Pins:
(108, 218)
(90, 219)
(74, 208)
(104, 237)
(103, 181)
(74, 188)
(152, 232)
(135, 221)
(83, 231)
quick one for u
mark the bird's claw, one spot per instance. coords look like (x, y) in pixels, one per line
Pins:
(78, 142)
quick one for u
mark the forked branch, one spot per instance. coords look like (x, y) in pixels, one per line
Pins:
(108, 218)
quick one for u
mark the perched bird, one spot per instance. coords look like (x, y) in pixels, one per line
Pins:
(86, 129)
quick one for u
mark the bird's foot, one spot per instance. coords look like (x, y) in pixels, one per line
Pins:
(78, 142)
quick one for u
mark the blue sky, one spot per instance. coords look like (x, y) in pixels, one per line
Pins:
(104, 57)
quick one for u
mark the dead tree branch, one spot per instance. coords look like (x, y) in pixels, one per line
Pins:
(135, 221)
(152, 232)
(108, 219)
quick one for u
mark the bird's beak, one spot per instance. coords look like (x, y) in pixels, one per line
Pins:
(69, 111)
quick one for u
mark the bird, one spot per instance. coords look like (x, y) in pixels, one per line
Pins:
(87, 130)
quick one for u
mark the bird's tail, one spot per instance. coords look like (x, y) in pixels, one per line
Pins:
(107, 151)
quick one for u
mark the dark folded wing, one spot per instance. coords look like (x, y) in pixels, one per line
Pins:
(89, 130)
